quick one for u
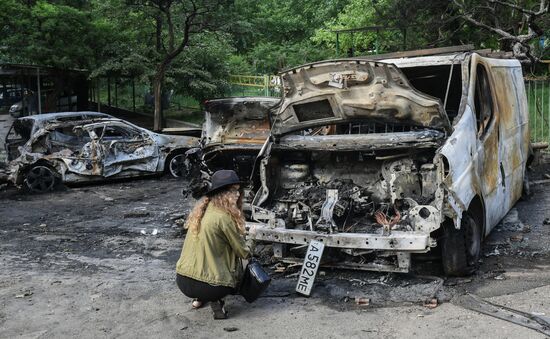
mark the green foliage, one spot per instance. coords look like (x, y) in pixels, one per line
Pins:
(203, 70)
(119, 37)
(348, 19)
(237, 64)
(269, 58)
(275, 34)
(47, 33)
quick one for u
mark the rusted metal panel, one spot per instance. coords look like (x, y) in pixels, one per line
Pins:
(242, 120)
(417, 242)
(338, 91)
(416, 139)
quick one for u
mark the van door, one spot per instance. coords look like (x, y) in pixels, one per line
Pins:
(513, 129)
(488, 151)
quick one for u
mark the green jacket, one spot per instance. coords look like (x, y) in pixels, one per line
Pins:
(213, 255)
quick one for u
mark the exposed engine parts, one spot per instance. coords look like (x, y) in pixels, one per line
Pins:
(347, 192)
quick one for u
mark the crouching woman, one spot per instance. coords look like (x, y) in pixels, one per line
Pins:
(210, 266)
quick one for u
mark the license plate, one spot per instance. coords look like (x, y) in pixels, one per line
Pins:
(310, 267)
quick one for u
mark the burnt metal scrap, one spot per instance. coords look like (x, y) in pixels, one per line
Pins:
(88, 148)
(382, 159)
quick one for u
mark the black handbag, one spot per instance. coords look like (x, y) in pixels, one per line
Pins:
(255, 281)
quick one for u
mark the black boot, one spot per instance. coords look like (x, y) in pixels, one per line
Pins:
(218, 309)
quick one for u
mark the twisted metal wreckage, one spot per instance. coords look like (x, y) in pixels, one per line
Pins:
(88, 146)
(379, 159)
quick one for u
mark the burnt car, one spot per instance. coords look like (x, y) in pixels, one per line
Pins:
(383, 159)
(234, 132)
(87, 146)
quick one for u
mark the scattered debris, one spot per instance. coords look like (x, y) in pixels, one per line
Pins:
(517, 237)
(529, 320)
(495, 252)
(177, 216)
(153, 232)
(136, 215)
(25, 294)
(362, 301)
(539, 182)
(279, 268)
(457, 281)
(511, 222)
(430, 303)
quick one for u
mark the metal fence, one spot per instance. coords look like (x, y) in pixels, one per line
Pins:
(255, 85)
(538, 98)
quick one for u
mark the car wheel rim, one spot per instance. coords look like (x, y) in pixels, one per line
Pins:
(178, 167)
(40, 179)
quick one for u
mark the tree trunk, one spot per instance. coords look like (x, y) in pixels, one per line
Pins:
(157, 92)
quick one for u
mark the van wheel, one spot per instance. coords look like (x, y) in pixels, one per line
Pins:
(41, 178)
(461, 249)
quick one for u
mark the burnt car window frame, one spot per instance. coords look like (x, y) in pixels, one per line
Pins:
(139, 134)
(484, 107)
(78, 139)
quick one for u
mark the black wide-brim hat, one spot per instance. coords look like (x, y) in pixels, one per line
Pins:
(221, 179)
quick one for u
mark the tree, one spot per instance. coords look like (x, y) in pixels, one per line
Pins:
(276, 34)
(49, 34)
(516, 23)
(175, 23)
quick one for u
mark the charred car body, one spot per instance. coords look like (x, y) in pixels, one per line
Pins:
(87, 146)
(235, 130)
(383, 159)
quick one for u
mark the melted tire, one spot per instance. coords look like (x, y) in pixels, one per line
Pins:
(461, 249)
(175, 165)
(41, 178)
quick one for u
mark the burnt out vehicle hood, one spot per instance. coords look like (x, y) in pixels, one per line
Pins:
(238, 120)
(332, 92)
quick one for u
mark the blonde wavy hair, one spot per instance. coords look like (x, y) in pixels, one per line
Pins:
(222, 201)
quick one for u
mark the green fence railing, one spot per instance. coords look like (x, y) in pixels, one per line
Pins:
(255, 85)
(538, 99)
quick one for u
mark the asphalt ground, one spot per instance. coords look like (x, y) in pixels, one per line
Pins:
(99, 261)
